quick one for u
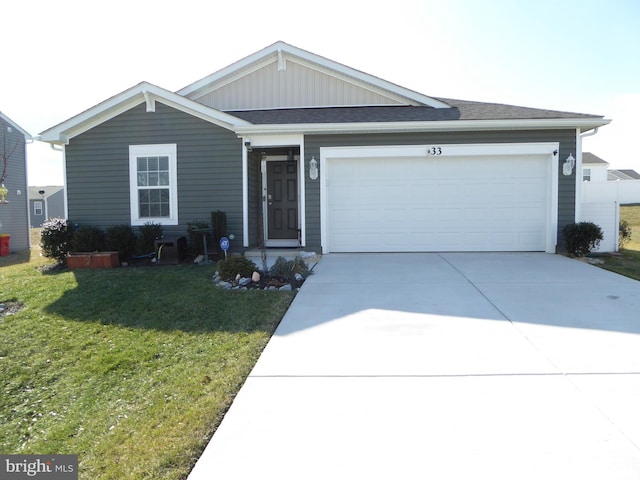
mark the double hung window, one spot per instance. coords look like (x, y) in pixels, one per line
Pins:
(153, 180)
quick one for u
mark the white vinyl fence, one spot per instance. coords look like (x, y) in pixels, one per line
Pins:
(622, 191)
(606, 215)
(600, 205)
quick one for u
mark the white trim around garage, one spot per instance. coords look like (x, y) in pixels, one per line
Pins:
(544, 151)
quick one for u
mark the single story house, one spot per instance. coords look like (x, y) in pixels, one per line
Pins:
(300, 150)
(44, 203)
(14, 208)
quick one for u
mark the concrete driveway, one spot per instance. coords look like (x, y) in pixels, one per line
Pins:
(443, 366)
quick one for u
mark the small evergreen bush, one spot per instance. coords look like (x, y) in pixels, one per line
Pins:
(121, 238)
(147, 235)
(87, 238)
(581, 238)
(230, 267)
(287, 269)
(55, 238)
(624, 230)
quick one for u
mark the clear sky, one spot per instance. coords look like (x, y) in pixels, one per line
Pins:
(61, 57)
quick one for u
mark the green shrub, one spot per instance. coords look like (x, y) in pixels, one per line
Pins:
(230, 267)
(147, 235)
(121, 238)
(581, 238)
(55, 238)
(624, 230)
(287, 269)
(87, 238)
(196, 242)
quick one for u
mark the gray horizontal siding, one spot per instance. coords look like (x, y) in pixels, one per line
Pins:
(14, 215)
(209, 168)
(313, 143)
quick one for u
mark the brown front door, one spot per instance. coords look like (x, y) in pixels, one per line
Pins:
(282, 200)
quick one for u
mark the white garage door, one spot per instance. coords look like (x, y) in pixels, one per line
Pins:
(460, 203)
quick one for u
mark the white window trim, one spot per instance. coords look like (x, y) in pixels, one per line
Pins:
(170, 150)
(37, 205)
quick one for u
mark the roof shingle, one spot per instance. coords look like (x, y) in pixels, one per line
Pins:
(460, 110)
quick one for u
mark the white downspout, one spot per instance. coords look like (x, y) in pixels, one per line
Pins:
(578, 201)
(64, 182)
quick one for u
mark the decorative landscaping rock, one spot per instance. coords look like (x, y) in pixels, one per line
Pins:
(274, 281)
(309, 257)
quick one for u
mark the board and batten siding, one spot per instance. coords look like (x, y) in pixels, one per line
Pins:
(295, 86)
(209, 168)
(566, 184)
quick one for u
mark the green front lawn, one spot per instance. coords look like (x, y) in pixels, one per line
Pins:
(631, 213)
(628, 262)
(131, 368)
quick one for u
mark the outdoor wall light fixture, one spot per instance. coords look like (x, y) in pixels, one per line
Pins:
(313, 168)
(247, 144)
(569, 163)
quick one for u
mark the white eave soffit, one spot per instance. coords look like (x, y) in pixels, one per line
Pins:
(281, 52)
(142, 93)
(434, 126)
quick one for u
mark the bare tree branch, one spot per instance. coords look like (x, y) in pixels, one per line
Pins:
(7, 151)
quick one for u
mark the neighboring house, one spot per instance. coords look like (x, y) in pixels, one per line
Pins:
(594, 169)
(623, 175)
(45, 203)
(302, 150)
(14, 211)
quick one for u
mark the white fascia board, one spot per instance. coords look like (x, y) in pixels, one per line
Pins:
(26, 134)
(394, 127)
(143, 92)
(281, 52)
(366, 80)
(362, 76)
(65, 131)
(199, 110)
(260, 58)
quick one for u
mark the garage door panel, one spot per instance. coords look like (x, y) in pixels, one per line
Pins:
(437, 204)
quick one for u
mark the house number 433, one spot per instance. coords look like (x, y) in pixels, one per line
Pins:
(434, 150)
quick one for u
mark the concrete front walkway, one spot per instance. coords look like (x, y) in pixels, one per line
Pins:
(443, 366)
